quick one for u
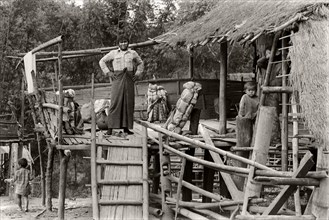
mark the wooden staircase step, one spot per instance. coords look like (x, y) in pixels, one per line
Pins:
(119, 202)
(122, 162)
(120, 182)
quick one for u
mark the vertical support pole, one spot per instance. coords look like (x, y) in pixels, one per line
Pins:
(49, 175)
(179, 187)
(284, 130)
(63, 158)
(208, 177)
(222, 87)
(145, 177)
(21, 144)
(298, 208)
(191, 62)
(188, 174)
(167, 212)
(260, 152)
(42, 172)
(93, 154)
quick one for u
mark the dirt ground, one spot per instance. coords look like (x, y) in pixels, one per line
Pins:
(79, 208)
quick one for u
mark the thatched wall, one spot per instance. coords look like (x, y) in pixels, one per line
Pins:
(310, 74)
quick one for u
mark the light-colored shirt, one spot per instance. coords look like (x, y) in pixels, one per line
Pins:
(122, 59)
(22, 178)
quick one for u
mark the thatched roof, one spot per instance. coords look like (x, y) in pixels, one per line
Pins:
(243, 20)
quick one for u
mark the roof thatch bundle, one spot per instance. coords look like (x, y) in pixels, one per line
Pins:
(310, 74)
(243, 19)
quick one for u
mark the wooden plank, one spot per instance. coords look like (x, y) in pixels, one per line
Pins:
(120, 202)
(120, 182)
(74, 147)
(118, 144)
(145, 176)
(234, 191)
(123, 163)
(305, 164)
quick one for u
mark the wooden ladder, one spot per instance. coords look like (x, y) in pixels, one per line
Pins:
(122, 179)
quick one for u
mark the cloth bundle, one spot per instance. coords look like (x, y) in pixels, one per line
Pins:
(184, 107)
(157, 108)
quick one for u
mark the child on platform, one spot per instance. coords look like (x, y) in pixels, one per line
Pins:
(22, 185)
(249, 102)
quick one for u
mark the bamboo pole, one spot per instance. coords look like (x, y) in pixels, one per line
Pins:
(287, 181)
(93, 155)
(54, 41)
(260, 153)
(269, 67)
(190, 215)
(222, 87)
(295, 152)
(284, 120)
(179, 187)
(42, 173)
(275, 217)
(211, 214)
(64, 157)
(167, 212)
(277, 89)
(204, 146)
(145, 177)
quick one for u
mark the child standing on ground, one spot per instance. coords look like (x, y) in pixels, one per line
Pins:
(22, 185)
(249, 102)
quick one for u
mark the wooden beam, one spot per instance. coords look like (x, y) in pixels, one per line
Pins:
(73, 147)
(305, 164)
(234, 191)
(145, 175)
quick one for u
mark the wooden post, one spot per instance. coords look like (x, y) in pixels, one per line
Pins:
(260, 153)
(64, 157)
(49, 175)
(222, 87)
(188, 174)
(145, 177)
(179, 187)
(42, 173)
(244, 130)
(21, 144)
(191, 63)
(93, 155)
(208, 177)
(295, 141)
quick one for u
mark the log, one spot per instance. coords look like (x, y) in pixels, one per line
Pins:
(211, 214)
(305, 164)
(260, 153)
(208, 176)
(55, 107)
(236, 194)
(49, 175)
(48, 44)
(42, 173)
(156, 212)
(179, 187)
(64, 159)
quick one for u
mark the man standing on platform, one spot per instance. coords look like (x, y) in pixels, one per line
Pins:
(126, 67)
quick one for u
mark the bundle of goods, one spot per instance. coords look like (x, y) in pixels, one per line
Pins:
(184, 107)
(157, 108)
